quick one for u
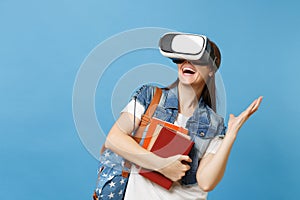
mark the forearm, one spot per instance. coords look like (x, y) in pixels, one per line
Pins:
(211, 172)
(124, 145)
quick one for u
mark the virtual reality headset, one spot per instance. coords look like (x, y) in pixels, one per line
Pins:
(179, 47)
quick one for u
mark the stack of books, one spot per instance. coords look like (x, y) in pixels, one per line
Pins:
(165, 139)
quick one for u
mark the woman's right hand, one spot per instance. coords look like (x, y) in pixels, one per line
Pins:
(174, 167)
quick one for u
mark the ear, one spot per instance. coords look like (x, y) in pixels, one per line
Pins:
(211, 73)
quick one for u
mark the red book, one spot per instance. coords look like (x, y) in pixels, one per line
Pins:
(153, 131)
(168, 143)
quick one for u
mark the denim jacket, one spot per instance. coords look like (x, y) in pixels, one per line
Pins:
(202, 126)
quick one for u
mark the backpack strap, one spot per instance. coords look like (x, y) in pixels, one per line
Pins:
(146, 117)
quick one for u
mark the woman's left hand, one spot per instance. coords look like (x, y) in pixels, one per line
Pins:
(235, 123)
(212, 167)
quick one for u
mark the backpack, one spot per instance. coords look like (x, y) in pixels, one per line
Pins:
(113, 170)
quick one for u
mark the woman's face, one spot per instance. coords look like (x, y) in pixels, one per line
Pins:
(194, 75)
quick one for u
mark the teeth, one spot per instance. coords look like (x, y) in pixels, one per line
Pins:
(186, 69)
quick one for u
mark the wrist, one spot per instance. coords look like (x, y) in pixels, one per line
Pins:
(156, 162)
(159, 164)
(230, 135)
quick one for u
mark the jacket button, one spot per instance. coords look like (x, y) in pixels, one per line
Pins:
(202, 134)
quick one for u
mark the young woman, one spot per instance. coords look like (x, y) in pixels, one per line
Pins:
(189, 102)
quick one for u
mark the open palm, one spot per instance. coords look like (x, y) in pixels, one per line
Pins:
(235, 123)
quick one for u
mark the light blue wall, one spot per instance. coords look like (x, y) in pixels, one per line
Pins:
(43, 44)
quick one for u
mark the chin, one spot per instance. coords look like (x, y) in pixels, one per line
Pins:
(186, 82)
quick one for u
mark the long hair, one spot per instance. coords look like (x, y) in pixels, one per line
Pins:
(209, 90)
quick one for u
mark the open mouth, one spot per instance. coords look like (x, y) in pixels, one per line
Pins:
(188, 71)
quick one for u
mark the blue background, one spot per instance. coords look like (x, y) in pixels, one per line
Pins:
(43, 44)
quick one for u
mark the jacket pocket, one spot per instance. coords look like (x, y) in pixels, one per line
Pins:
(202, 138)
(161, 113)
(204, 131)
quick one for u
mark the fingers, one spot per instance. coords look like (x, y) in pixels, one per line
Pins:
(231, 116)
(252, 107)
(259, 100)
(176, 169)
(185, 158)
(181, 169)
(256, 105)
(235, 123)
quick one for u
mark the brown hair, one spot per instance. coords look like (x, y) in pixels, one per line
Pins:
(209, 90)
